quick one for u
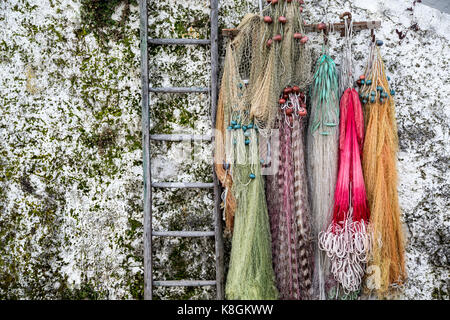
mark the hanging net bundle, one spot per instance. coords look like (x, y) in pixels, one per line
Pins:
(322, 152)
(284, 60)
(279, 102)
(250, 275)
(380, 174)
(233, 104)
(238, 167)
(287, 198)
(268, 55)
(347, 240)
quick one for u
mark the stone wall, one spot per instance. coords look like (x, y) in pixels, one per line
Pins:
(70, 141)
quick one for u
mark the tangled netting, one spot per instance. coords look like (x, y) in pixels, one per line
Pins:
(347, 240)
(287, 200)
(234, 104)
(322, 153)
(380, 174)
(284, 59)
(347, 247)
(250, 275)
(268, 54)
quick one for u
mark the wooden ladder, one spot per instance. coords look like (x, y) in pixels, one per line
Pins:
(149, 282)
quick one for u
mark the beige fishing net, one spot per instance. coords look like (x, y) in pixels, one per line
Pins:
(263, 59)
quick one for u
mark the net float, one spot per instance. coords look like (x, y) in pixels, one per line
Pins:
(296, 89)
(289, 111)
(269, 43)
(361, 77)
(282, 101)
(301, 1)
(321, 26)
(300, 9)
(282, 19)
(287, 90)
(302, 112)
(268, 19)
(274, 1)
(278, 37)
(285, 96)
(304, 39)
(298, 35)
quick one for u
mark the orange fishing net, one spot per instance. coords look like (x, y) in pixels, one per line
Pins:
(380, 175)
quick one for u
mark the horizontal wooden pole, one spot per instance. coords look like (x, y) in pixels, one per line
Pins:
(340, 26)
(184, 234)
(183, 185)
(181, 137)
(184, 283)
(179, 90)
(178, 41)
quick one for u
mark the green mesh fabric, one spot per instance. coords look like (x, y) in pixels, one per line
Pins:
(251, 275)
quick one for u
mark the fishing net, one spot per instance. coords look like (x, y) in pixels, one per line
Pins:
(233, 105)
(285, 60)
(347, 240)
(322, 153)
(287, 198)
(251, 274)
(265, 57)
(380, 174)
(255, 74)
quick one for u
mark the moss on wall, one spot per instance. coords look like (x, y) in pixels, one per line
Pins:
(70, 143)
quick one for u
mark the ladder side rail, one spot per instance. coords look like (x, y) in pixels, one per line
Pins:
(148, 263)
(214, 16)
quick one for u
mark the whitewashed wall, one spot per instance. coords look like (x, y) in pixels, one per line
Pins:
(70, 150)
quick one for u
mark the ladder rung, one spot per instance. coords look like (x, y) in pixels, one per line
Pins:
(187, 234)
(181, 185)
(181, 137)
(179, 41)
(184, 283)
(179, 89)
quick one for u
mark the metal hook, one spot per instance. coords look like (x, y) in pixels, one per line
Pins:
(343, 16)
(322, 26)
(325, 35)
(346, 14)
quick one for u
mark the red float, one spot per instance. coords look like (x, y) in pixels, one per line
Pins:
(268, 19)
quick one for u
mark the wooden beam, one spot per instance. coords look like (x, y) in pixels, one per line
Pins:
(220, 290)
(184, 234)
(184, 283)
(148, 273)
(179, 90)
(339, 26)
(181, 137)
(178, 41)
(183, 185)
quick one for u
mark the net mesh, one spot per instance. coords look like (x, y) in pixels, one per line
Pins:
(380, 174)
(322, 153)
(260, 62)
